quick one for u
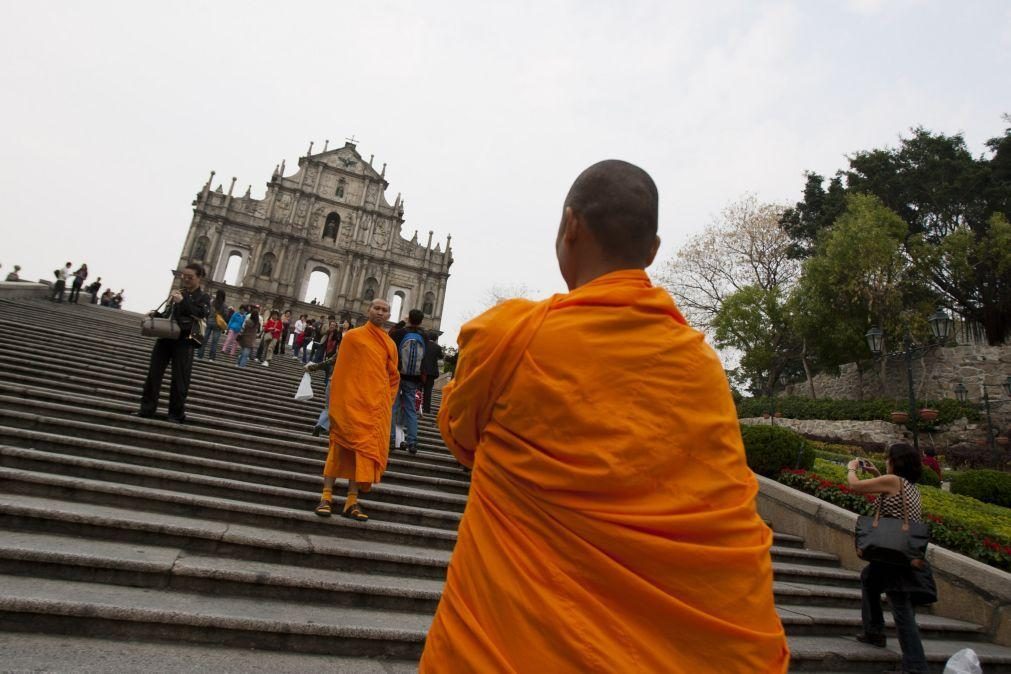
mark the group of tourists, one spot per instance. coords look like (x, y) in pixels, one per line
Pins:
(76, 278)
(611, 523)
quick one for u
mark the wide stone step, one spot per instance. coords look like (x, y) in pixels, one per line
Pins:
(184, 449)
(69, 558)
(327, 550)
(846, 654)
(220, 509)
(392, 504)
(91, 609)
(831, 620)
(793, 571)
(65, 653)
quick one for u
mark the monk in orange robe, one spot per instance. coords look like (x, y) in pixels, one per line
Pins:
(362, 388)
(611, 525)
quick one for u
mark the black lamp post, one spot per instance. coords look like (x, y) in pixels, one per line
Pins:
(772, 399)
(962, 394)
(940, 327)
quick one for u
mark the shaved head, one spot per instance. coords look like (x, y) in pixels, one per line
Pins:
(618, 202)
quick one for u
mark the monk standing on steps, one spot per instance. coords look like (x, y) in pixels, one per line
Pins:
(611, 525)
(362, 388)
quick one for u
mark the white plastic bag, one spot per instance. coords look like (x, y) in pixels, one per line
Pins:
(400, 435)
(963, 662)
(304, 391)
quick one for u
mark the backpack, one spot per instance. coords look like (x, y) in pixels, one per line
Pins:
(412, 352)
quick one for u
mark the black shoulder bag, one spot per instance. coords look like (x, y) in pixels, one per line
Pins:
(890, 540)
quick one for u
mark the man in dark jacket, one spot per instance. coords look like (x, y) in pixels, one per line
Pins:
(187, 305)
(430, 369)
(410, 341)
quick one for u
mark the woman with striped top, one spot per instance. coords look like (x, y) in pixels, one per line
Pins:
(906, 586)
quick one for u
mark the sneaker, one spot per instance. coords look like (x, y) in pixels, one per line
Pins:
(266, 364)
(412, 448)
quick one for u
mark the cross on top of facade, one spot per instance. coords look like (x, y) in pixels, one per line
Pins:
(352, 139)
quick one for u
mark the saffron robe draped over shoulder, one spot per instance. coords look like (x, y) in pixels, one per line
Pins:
(362, 388)
(611, 524)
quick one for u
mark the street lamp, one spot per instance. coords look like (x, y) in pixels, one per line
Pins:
(940, 327)
(782, 379)
(962, 393)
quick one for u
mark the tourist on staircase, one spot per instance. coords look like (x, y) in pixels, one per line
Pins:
(247, 336)
(296, 344)
(323, 421)
(13, 275)
(611, 524)
(308, 335)
(271, 334)
(215, 323)
(906, 586)
(60, 286)
(75, 288)
(410, 341)
(362, 388)
(430, 369)
(285, 333)
(93, 288)
(185, 306)
(235, 323)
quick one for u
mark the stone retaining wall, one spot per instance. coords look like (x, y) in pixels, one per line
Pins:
(966, 589)
(880, 432)
(12, 290)
(935, 373)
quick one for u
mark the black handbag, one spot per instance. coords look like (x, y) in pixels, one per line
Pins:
(162, 327)
(890, 540)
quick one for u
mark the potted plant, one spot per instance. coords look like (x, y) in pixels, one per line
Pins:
(1002, 440)
(928, 414)
(778, 415)
(899, 417)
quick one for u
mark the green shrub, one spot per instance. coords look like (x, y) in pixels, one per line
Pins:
(771, 448)
(948, 410)
(988, 486)
(929, 478)
(972, 455)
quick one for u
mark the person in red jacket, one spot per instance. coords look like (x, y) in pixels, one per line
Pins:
(271, 333)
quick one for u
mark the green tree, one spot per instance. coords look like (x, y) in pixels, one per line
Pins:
(941, 192)
(756, 322)
(859, 277)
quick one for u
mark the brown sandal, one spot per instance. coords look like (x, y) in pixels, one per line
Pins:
(354, 512)
(323, 509)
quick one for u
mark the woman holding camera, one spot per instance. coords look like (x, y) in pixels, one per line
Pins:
(907, 586)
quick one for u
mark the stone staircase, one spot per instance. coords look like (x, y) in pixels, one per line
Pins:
(137, 544)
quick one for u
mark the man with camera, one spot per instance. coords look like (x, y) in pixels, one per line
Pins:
(186, 306)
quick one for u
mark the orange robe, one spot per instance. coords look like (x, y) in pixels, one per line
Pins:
(362, 388)
(611, 525)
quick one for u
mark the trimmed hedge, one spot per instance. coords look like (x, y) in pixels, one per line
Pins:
(771, 448)
(948, 410)
(988, 486)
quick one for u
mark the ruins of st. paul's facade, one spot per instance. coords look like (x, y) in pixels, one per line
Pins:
(331, 217)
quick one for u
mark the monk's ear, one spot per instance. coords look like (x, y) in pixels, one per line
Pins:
(653, 251)
(571, 225)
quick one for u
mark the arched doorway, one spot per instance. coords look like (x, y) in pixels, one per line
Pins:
(232, 269)
(397, 306)
(315, 289)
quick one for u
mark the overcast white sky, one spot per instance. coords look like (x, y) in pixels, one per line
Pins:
(115, 112)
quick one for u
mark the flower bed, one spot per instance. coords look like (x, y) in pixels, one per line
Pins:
(964, 525)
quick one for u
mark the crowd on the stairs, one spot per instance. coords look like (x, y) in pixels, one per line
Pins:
(76, 278)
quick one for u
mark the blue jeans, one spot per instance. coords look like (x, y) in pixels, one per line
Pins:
(913, 659)
(324, 416)
(404, 404)
(244, 355)
(211, 335)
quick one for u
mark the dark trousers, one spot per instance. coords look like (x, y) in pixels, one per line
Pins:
(280, 344)
(58, 288)
(913, 659)
(75, 291)
(179, 352)
(426, 401)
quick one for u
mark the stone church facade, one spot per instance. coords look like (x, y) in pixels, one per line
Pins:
(330, 216)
